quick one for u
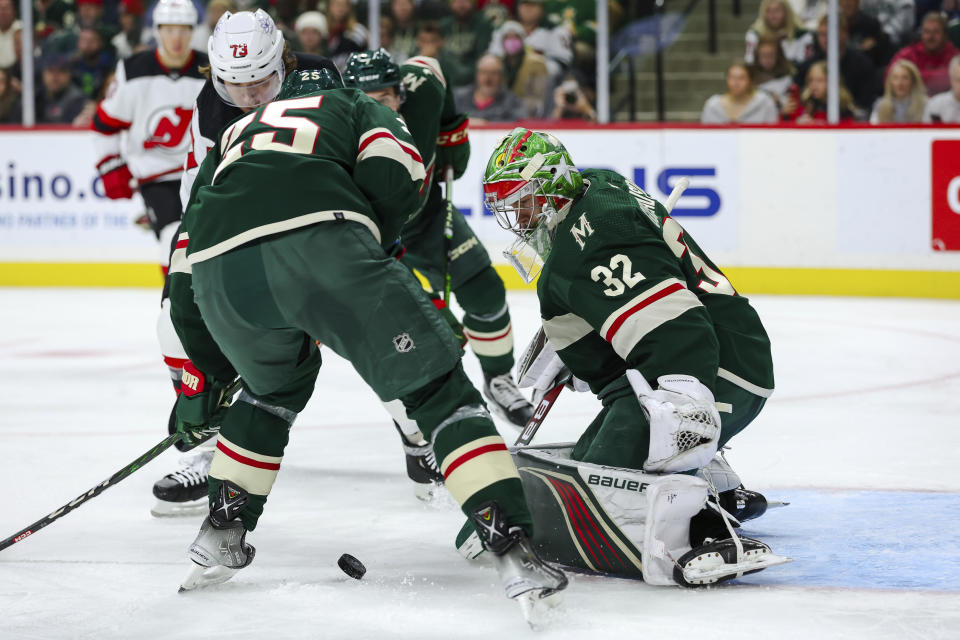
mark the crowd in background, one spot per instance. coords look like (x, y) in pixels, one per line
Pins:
(899, 62)
(505, 59)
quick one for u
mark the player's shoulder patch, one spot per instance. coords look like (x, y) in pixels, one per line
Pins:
(430, 64)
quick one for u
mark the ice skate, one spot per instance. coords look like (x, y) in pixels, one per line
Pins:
(506, 400)
(533, 583)
(719, 560)
(184, 491)
(220, 549)
(422, 468)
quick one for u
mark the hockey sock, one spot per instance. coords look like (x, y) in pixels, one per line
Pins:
(487, 321)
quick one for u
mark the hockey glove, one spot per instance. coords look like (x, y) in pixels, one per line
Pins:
(200, 407)
(453, 146)
(116, 178)
(449, 317)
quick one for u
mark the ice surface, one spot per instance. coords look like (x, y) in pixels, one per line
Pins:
(862, 437)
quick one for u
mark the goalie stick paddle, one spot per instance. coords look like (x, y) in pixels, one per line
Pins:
(155, 451)
(550, 398)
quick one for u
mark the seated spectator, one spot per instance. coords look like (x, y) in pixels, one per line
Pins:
(771, 71)
(932, 54)
(345, 34)
(386, 32)
(945, 107)
(467, 35)
(866, 33)
(489, 99)
(895, 16)
(526, 70)
(89, 13)
(311, 28)
(406, 23)
(9, 98)
(554, 43)
(810, 106)
(50, 15)
(776, 21)
(496, 12)
(9, 25)
(201, 33)
(92, 63)
(742, 103)
(58, 99)
(131, 39)
(571, 103)
(904, 96)
(856, 70)
(809, 12)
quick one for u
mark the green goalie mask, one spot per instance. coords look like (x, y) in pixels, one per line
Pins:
(372, 70)
(529, 184)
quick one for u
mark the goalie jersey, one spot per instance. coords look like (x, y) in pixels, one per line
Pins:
(624, 286)
(145, 116)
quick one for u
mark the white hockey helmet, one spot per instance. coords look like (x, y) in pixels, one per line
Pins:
(246, 51)
(175, 12)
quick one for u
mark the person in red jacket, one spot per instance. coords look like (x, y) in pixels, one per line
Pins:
(932, 54)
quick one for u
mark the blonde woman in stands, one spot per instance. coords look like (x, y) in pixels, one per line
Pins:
(904, 96)
(771, 71)
(742, 103)
(810, 107)
(777, 20)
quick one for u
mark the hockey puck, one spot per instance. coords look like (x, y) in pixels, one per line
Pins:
(351, 566)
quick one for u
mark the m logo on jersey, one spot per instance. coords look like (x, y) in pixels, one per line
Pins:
(581, 230)
(169, 128)
(239, 50)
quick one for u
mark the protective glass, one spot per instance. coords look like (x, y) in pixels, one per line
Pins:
(248, 95)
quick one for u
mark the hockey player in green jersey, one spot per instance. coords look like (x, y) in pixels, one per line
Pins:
(284, 241)
(418, 90)
(634, 308)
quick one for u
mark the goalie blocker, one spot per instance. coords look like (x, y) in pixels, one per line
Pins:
(628, 523)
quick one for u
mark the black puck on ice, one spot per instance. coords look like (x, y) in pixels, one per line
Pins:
(351, 566)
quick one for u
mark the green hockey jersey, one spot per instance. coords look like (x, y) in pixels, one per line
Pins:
(625, 287)
(331, 155)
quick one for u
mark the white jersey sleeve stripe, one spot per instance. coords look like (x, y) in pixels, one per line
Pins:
(564, 330)
(380, 143)
(629, 324)
(431, 64)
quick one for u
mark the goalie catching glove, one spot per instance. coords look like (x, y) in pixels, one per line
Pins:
(684, 422)
(201, 405)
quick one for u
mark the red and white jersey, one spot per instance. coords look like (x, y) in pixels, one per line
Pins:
(146, 115)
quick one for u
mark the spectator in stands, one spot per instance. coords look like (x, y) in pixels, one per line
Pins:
(58, 99)
(92, 63)
(810, 107)
(945, 107)
(496, 11)
(9, 98)
(904, 96)
(405, 26)
(809, 12)
(201, 33)
(895, 16)
(489, 99)
(856, 70)
(50, 15)
(571, 103)
(741, 103)
(9, 25)
(345, 34)
(771, 71)
(386, 32)
(311, 28)
(866, 34)
(776, 20)
(553, 43)
(932, 54)
(89, 13)
(467, 35)
(130, 40)
(526, 71)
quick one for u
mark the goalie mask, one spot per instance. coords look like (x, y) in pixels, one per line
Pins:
(246, 58)
(529, 184)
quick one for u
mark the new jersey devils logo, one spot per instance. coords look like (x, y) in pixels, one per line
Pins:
(169, 129)
(239, 50)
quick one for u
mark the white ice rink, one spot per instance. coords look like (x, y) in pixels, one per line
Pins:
(862, 436)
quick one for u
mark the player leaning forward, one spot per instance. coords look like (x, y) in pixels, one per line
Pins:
(629, 301)
(286, 229)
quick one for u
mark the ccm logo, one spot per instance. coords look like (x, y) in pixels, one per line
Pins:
(22, 536)
(190, 380)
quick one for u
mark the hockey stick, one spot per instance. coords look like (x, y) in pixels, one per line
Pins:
(448, 235)
(550, 398)
(155, 451)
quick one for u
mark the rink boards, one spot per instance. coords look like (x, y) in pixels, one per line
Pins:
(850, 211)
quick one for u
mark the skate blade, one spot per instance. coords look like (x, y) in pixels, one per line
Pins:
(427, 491)
(711, 568)
(164, 509)
(776, 504)
(540, 612)
(200, 576)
